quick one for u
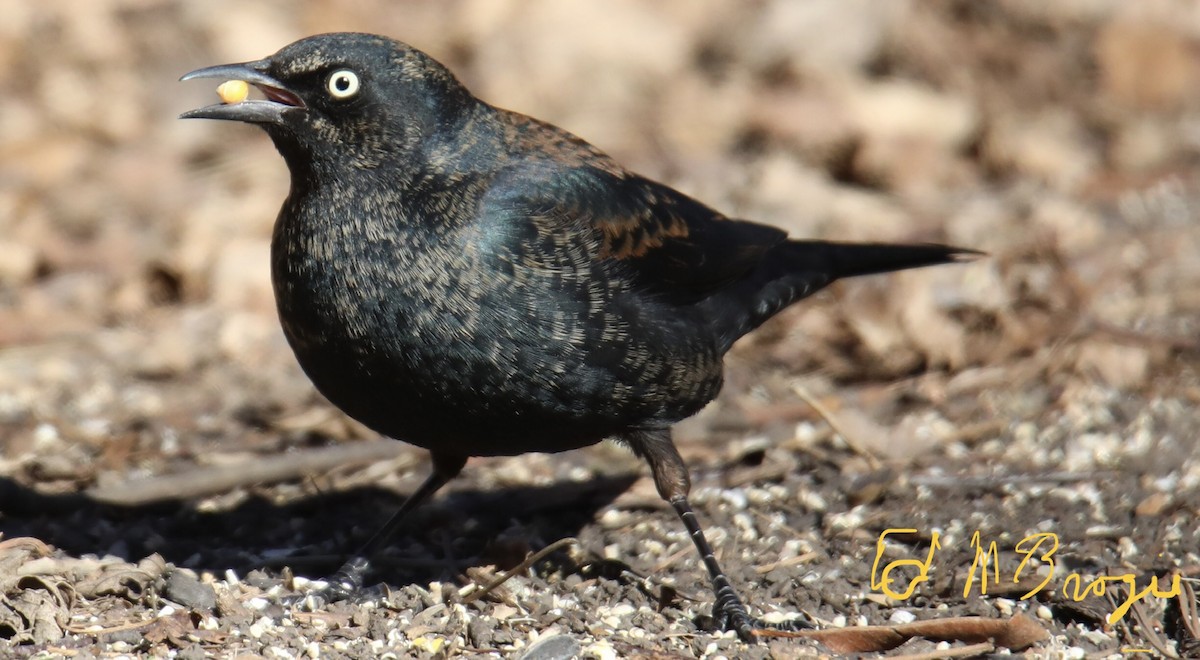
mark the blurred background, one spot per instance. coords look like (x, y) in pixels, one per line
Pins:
(137, 329)
(1059, 137)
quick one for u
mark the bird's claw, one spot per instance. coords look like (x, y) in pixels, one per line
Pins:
(731, 615)
(334, 592)
(344, 585)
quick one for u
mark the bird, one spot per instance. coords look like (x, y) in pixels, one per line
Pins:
(477, 282)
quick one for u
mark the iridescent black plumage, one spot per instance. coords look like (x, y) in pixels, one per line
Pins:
(477, 282)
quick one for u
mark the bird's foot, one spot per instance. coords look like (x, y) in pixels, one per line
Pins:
(344, 585)
(730, 614)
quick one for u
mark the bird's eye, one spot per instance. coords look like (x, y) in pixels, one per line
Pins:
(342, 84)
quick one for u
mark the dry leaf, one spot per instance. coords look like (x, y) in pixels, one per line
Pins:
(1017, 633)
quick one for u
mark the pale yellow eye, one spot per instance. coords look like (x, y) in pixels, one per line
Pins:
(233, 91)
(342, 84)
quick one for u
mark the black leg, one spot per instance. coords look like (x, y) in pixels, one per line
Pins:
(348, 580)
(671, 478)
(728, 611)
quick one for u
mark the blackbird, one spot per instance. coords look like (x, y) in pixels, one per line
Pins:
(481, 283)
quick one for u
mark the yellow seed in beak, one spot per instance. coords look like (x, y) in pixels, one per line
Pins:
(233, 91)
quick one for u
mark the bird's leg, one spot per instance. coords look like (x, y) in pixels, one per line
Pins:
(671, 478)
(348, 580)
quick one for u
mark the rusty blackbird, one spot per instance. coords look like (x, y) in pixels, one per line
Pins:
(480, 283)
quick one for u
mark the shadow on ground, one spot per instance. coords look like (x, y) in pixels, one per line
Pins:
(313, 535)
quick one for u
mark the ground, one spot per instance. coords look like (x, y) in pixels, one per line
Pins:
(167, 473)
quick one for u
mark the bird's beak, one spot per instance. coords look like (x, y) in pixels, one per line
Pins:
(279, 99)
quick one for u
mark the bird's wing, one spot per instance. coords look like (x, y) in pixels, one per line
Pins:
(672, 244)
(662, 241)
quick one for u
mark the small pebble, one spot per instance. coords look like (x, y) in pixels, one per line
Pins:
(1004, 606)
(261, 627)
(257, 603)
(127, 638)
(556, 647)
(185, 589)
(479, 631)
(735, 497)
(191, 652)
(600, 650)
(301, 583)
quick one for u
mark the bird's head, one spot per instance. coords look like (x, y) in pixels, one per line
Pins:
(344, 97)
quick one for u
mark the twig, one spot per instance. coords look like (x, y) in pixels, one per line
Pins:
(767, 471)
(851, 442)
(970, 651)
(311, 562)
(41, 549)
(1108, 652)
(1141, 617)
(212, 480)
(670, 561)
(1189, 616)
(1150, 632)
(529, 561)
(1131, 336)
(954, 481)
(88, 630)
(783, 563)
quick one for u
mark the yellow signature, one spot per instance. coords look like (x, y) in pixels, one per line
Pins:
(986, 563)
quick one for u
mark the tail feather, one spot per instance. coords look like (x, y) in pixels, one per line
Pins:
(798, 269)
(852, 259)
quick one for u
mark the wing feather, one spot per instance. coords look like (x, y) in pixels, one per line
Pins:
(674, 245)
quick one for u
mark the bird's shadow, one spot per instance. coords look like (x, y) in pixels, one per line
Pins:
(312, 535)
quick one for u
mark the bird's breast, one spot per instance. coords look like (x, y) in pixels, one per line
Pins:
(392, 324)
(423, 334)
(367, 290)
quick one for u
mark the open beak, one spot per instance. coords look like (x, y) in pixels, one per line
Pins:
(270, 111)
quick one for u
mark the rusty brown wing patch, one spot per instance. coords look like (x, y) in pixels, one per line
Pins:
(634, 235)
(676, 246)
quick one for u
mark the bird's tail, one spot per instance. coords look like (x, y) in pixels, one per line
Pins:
(798, 269)
(853, 259)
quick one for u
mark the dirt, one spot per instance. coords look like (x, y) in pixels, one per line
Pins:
(168, 476)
